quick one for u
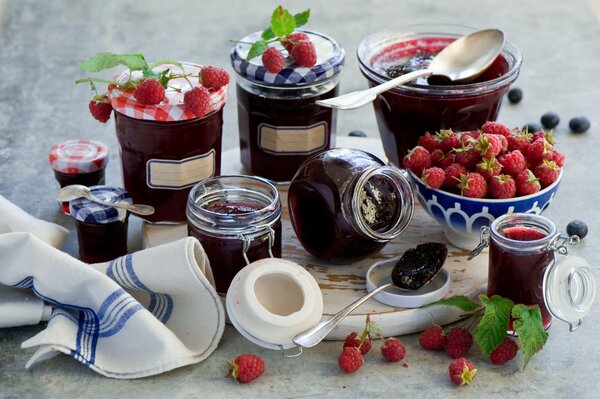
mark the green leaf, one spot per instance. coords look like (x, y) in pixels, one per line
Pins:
(302, 17)
(147, 72)
(103, 61)
(257, 49)
(267, 34)
(491, 330)
(459, 301)
(163, 78)
(530, 328)
(166, 61)
(282, 22)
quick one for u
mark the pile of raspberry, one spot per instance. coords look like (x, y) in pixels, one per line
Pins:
(298, 46)
(493, 162)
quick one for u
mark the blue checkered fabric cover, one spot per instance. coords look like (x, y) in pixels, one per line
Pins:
(87, 211)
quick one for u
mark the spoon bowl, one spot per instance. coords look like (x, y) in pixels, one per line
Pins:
(74, 191)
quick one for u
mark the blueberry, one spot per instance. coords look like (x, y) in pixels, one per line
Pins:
(532, 127)
(515, 95)
(579, 124)
(357, 133)
(550, 120)
(577, 228)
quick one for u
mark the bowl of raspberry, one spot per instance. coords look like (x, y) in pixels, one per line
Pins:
(464, 180)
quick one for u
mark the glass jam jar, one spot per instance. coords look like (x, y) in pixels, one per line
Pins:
(237, 219)
(78, 161)
(408, 111)
(101, 229)
(346, 204)
(279, 123)
(164, 148)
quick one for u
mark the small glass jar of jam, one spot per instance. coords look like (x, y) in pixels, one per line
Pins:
(279, 123)
(237, 219)
(101, 229)
(346, 204)
(78, 161)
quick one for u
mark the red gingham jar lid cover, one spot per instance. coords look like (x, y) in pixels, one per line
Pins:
(78, 156)
(172, 108)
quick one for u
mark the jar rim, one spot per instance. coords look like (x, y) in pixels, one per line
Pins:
(529, 220)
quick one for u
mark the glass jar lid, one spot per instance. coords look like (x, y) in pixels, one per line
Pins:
(330, 59)
(91, 212)
(78, 156)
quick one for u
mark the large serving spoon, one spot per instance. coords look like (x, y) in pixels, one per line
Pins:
(74, 191)
(461, 61)
(410, 273)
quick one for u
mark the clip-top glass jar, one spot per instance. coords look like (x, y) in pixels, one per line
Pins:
(279, 123)
(346, 204)
(237, 219)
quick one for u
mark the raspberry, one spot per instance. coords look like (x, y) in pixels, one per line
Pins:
(213, 78)
(433, 338)
(393, 350)
(547, 172)
(292, 39)
(502, 186)
(520, 141)
(462, 371)
(438, 158)
(353, 340)
(448, 140)
(350, 360)
(512, 162)
(100, 108)
(453, 173)
(468, 156)
(495, 128)
(459, 341)
(558, 158)
(472, 185)
(469, 137)
(488, 145)
(304, 53)
(549, 136)
(433, 177)
(149, 92)
(505, 352)
(488, 168)
(428, 142)
(417, 160)
(246, 368)
(273, 60)
(527, 183)
(197, 101)
(539, 149)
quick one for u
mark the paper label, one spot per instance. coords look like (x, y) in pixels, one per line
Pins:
(292, 140)
(171, 174)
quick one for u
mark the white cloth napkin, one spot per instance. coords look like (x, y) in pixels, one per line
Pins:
(172, 318)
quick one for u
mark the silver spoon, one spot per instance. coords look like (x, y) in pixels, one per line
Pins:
(461, 61)
(75, 191)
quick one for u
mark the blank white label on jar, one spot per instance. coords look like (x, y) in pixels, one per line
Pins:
(292, 140)
(172, 174)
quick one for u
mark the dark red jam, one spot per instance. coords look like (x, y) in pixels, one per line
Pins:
(101, 242)
(171, 143)
(232, 208)
(95, 178)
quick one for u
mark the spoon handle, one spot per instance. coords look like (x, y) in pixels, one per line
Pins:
(313, 336)
(138, 209)
(390, 84)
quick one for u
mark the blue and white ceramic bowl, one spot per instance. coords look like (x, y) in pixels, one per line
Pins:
(462, 217)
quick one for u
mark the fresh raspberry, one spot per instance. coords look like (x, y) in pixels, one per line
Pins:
(558, 158)
(520, 141)
(522, 233)
(292, 39)
(246, 368)
(428, 142)
(417, 160)
(488, 168)
(512, 162)
(448, 140)
(468, 156)
(273, 60)
(505, 352)
(472, 185)
(503, 142)
(547, 172)
(488, 145)
(495, 128)
(502, 186)
(469, 137)
(539, 150)
(433, 338)
(353, 340)
(304, 53)
(393, 350)
(459, 341)
(527, 183)
(149, 92)
(433, 177)
(462, 371)
(542, 134)
(100, 108)
(350, 360)
(442, 160)
(213, 78)
(197, 101)
(453, 173)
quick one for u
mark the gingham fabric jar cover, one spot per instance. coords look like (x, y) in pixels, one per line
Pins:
(78, 156)
(91, 212)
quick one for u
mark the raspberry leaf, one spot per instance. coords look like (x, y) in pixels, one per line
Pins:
(302, 17)
(282, 22)
(103, 61)
(166, 61)
(491, 330)
(257, 49)
(528, 325)
(267, 34)
(459, 301)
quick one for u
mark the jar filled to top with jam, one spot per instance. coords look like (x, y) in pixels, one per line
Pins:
(237, 219)
(279, 123)
(346, 204)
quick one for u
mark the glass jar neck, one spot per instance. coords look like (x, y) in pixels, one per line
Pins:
(287, 91)
(535, 222)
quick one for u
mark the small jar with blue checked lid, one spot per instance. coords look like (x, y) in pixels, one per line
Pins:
(279, 123)
(101, 229)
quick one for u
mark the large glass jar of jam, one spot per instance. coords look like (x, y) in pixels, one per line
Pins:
(165, 149)
(237, 219)
(346, 204)
(101, 229)
(78, 161)
(279, 123)
(408, 111)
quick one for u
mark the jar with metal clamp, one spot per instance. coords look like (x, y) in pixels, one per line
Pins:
(237, 219)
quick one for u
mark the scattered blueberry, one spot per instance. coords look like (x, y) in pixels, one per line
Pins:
(532, 127)
(550, 120)
(579, 124)
(577, 228)
(357, 133)
(515, 95)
